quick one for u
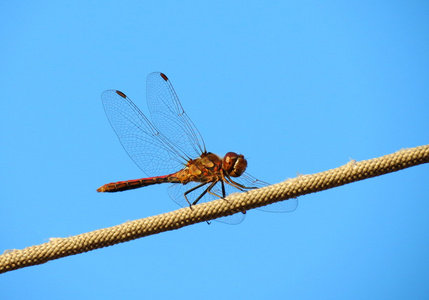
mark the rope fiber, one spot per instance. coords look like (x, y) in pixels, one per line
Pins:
(291, 188)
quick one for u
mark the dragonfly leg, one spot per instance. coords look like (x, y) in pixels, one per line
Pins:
(193, 189)
(238, 185)
(205, 192)
(223, 193)
(209, 190)
(223, 189)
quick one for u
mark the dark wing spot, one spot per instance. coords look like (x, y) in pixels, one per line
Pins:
(164, 76)
(121, 94)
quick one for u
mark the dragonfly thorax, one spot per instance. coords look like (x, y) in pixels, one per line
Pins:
(234, 164)
(209, 168)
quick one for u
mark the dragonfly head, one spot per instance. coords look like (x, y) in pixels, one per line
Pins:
(234, 164)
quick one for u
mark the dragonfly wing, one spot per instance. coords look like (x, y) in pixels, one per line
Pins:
(284, 206)
(281, 207)
(169, 117)
(140, 139)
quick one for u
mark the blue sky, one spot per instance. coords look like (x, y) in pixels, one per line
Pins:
(297, 87)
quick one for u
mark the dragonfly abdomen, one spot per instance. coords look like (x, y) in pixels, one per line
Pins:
(136, 183)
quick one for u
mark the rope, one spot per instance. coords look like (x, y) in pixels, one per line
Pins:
(291, 188)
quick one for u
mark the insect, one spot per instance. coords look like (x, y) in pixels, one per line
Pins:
(170, 149)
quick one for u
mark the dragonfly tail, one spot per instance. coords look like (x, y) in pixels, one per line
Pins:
(135, 184)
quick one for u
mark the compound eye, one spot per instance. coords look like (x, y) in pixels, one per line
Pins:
(228, 161)
(234, 164)
(239, 166)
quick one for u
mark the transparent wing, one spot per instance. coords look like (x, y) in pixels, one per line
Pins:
(168, 115)
(145, 145)
(177, 192)
(281, 207)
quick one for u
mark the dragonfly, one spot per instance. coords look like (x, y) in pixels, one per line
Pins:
(170, 149)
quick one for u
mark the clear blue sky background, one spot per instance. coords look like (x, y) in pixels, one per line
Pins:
(297, 87)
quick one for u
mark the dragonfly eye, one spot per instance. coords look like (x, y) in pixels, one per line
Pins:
(234, 164)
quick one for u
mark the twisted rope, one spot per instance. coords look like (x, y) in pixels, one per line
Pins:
(301, 185)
